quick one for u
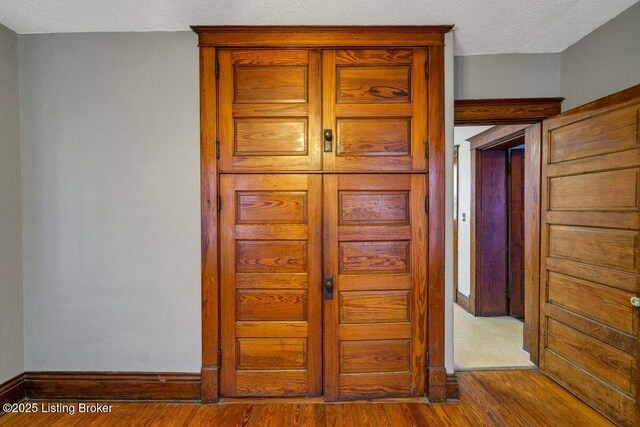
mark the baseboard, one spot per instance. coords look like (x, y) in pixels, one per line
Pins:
(112, 385)
(437, 390)
(12, 391)
(453, 392)
(463, 301)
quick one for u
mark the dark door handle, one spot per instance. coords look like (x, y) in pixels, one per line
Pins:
(328, 139)
(328, 288)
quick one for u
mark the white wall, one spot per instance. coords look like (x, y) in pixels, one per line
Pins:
(461, 134)
(507, 76)
(11, 306)
(603, 62)
(110, 167)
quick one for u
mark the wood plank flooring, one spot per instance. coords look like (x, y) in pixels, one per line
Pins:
(488, 398)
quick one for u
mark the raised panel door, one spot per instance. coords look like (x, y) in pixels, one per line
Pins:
(269, 103)
(375, 233)
(270, 230)
(590, 266)
(375, 105)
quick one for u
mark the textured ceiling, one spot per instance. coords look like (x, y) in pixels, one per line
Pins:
(482, 26)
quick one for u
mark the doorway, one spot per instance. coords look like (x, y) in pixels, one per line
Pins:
(496, 170)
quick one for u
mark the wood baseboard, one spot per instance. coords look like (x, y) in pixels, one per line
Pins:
(463, 301)
(209, 385)
(453, 392)
(112, 385)
(12, 391)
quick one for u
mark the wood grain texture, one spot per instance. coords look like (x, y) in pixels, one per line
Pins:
(112, 385)
(374, 101)
(507, 110)
(366, 353)
(12, 391)
(516, 232)
(209, 225)
(271, 121)
(491, 233)
(436, 388)
(269, 108)
(589, 262)
(487, 398)
(270, 275)
(321, 36)
(532, 171)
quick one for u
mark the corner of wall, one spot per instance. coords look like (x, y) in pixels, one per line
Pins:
(11, 256)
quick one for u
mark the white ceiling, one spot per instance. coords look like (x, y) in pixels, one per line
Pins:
(482, 26)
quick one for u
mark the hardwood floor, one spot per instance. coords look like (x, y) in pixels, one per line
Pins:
(488, 398)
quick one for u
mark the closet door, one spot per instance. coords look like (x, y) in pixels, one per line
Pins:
(375, 234)
(270, 267)
(269, 103)
(375, 110)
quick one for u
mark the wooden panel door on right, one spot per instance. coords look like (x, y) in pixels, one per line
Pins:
(590, 264)
(375, 240)
(375, 110)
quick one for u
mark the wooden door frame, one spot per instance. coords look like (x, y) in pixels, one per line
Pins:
(520, 114)
(497, 138)
(211, 38)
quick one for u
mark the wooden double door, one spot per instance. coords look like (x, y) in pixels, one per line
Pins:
(323, 222)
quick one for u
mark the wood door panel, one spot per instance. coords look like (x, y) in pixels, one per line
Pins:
(270, 285)
(374, 102)
(374, 208)
(607, 191)
(374, 57)
(272, 353)
(598, 246)
(608, 363)
(271, 257)
(375, 356)
(375, 325)
(606, 133)
(271, 305)
(273, 83)
(275, 137)
(375, 307)
(373, 137)
(374, 257)
(605, 304)
(269, 110)
(371, 85)
(272, 208)
(590, 255)
(598, 394)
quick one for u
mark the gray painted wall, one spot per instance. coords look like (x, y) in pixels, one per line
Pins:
(603, 62)
(11, 314)
(110, 167)
(507, 76)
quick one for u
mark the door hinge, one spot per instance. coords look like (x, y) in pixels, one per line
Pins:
(509, 291)
(426, 359)
(426, 204)
(218, 203)
(426, 149)
(426, 68)
(217, 70)
(219, 358)
(217, 148)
